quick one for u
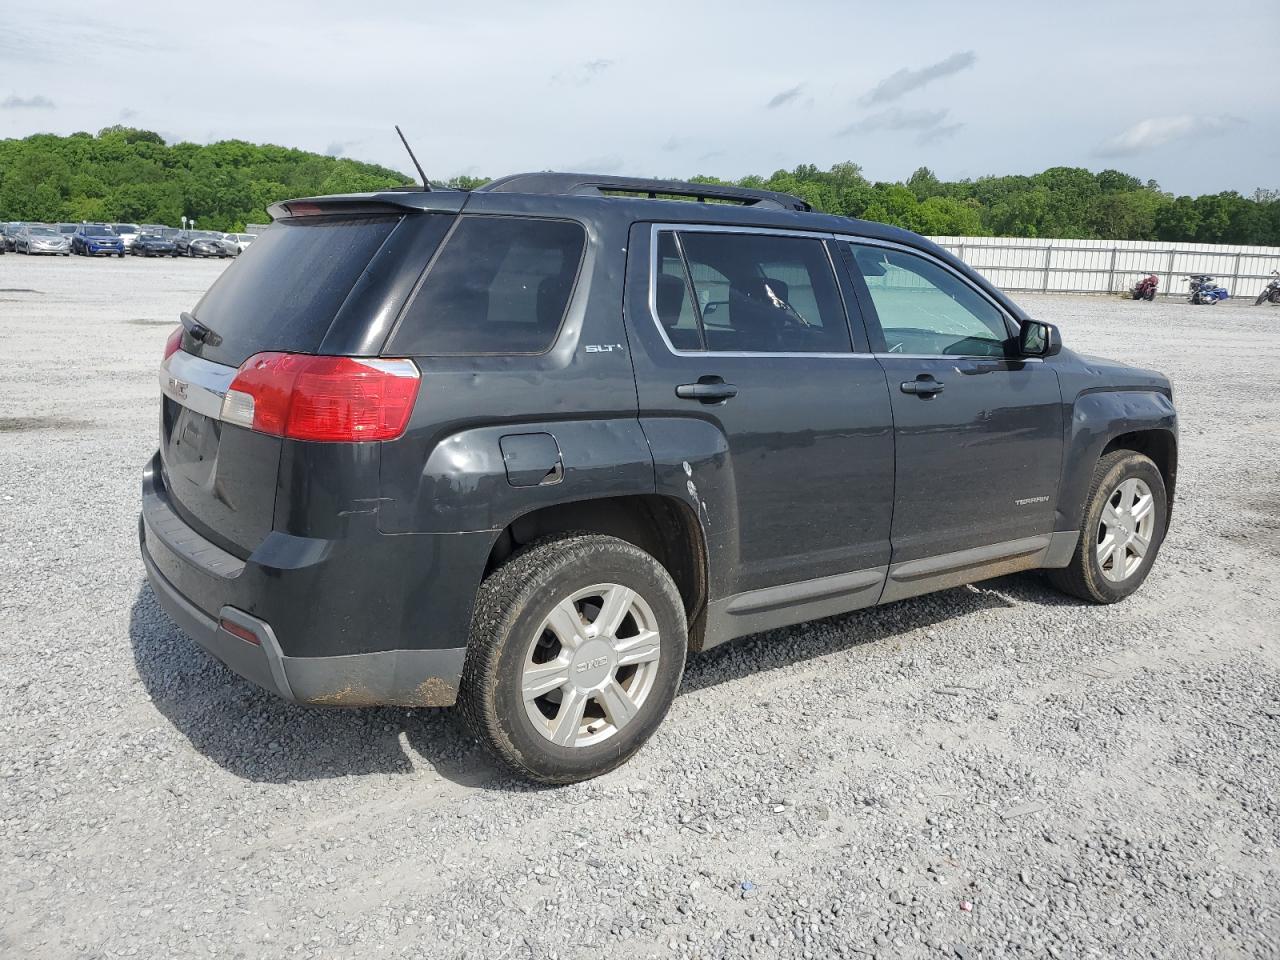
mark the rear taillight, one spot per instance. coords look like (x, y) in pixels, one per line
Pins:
(336, 399)
(174, 343)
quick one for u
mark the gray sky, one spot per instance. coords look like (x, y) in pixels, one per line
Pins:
(1177, 91)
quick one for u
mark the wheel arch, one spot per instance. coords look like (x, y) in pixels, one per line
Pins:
(663, 526)
(1161, 445)
(1108, 419)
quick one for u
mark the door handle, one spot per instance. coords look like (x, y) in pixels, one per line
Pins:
(923, 386)
(707, 390)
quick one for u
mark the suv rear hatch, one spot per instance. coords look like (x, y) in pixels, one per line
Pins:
(319, 283)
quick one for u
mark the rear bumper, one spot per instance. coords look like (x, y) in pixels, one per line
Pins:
(291, 610)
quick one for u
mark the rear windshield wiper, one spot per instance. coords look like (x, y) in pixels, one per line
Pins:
(198, 331)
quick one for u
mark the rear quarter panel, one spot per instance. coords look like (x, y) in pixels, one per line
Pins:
(446, 474)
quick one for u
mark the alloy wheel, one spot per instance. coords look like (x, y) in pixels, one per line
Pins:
(1125, 529)
(591, 665)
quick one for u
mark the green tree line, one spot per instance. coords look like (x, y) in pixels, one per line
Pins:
(131, 175)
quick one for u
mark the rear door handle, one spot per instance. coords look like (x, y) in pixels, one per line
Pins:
(707, 390)
(923, 386)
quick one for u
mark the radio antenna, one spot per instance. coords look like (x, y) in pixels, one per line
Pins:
(425, 184)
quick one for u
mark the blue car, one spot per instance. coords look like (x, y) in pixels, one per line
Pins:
(92, 239)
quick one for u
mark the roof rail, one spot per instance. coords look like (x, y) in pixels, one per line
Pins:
(596, 185)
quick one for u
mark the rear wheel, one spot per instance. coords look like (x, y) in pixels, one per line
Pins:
(1122, 530)
(576, 652)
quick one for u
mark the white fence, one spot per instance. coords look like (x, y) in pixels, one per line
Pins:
(1112, 266)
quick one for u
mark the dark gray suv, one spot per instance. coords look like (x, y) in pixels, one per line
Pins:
(526, 448)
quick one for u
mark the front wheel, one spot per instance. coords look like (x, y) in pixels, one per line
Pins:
(1150, 295)
(1122, 530)
(577, 648)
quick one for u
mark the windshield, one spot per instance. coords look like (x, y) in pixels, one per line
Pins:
(66, 228)
(126, 228)
(150, 236)
(42, 232)
(96, 231)
(206, 235)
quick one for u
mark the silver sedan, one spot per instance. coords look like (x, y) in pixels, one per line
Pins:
(47, 240)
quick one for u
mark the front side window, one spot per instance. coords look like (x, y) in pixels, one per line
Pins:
(754, 293)
(927, 310)
(500, 285)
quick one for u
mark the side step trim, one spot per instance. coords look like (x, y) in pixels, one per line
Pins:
(790, 603)
(964, 559)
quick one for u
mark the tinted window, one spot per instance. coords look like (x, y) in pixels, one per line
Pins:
(672, 301)
(766, 293)
(499, 285)
(92, 231)
(284, 293)
(926, 309)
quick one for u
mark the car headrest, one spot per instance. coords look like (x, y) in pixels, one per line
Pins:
(670, 296)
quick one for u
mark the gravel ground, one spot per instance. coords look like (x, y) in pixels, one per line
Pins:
(994, 771)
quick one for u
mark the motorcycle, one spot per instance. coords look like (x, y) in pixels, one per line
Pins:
(1204, 290)
(1272, 291)
(1145, 289)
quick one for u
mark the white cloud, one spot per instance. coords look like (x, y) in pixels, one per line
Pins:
(1157, 131)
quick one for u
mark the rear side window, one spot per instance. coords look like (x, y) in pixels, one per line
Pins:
(672, 301)
(755, 293)
(284, 292)
(499, 285)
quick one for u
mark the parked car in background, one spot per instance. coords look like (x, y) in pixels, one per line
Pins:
(36, 238)
(68, 230)
(128, 232)
(241, 241)
(9, 234)
(153, 245)
(203, 243)
(92, 239)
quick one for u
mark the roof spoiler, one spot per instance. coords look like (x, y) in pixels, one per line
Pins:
(596, 185)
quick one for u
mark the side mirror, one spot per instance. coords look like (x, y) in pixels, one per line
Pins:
(1039, 339)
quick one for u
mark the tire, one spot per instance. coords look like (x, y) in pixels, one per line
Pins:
(513, 629)
(1091, 577)
(1150, 296)
(1263, 297)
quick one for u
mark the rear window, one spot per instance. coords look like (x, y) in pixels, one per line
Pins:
(499, 285)
(284, 292)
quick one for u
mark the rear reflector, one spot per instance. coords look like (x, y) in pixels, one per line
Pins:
(236, 630)
(335, 399)
(174, 343)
